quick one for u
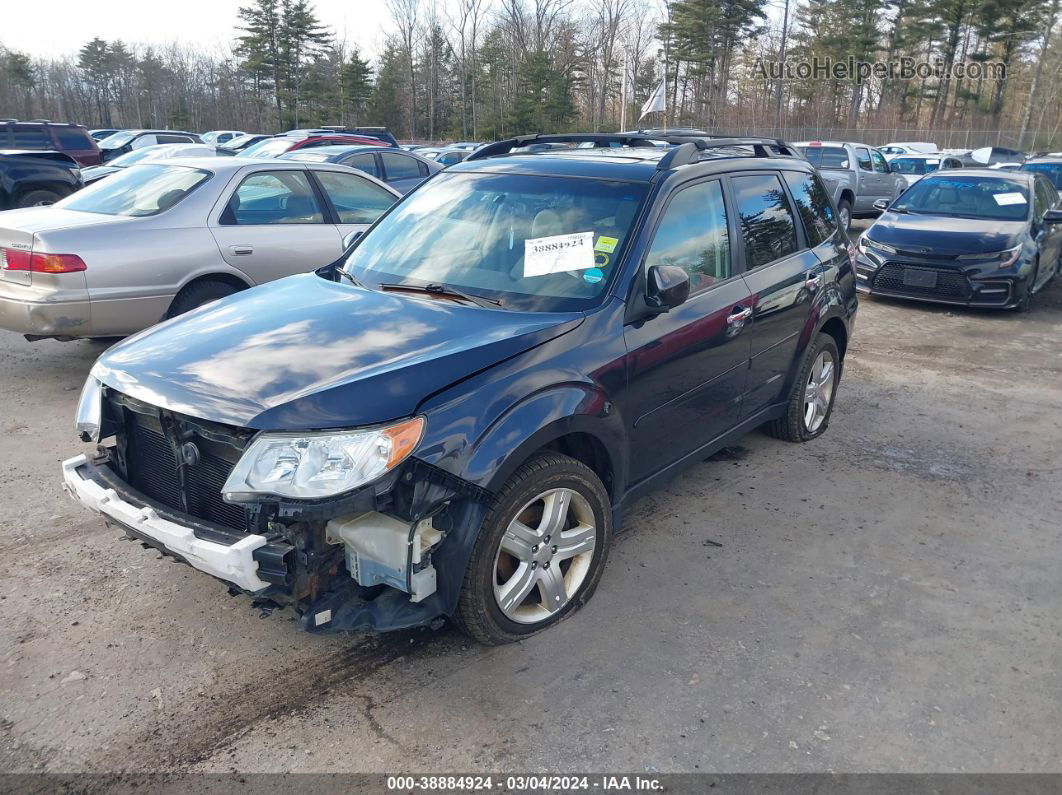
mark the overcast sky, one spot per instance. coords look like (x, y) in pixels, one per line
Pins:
(60, 27)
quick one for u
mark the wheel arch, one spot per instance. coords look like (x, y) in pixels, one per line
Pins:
(236, 281)
(576, 420)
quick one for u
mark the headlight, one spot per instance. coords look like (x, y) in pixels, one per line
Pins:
(865, 242)
(312, 465)
(89, 411)
(1005, 258)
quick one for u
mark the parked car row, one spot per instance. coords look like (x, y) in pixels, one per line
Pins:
(446, 405)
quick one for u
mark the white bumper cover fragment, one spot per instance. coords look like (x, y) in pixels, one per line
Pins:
(235, 563)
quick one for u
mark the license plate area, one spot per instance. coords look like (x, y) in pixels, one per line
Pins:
(919, 277)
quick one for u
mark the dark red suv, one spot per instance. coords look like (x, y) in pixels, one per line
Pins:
(70, 139)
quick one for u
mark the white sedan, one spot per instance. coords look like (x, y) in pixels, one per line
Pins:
(164, 237)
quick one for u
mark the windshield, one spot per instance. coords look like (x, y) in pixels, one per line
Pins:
(826, 156)
(270, 147)
(914, 165)
(471, 231)
(118, 140)
(1053, 171)
(998, 199)
(137, 192)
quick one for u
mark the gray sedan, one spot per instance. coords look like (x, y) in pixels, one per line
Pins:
(163, 238)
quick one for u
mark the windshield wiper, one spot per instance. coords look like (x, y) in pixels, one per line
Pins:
(351, 279)
(442, 289)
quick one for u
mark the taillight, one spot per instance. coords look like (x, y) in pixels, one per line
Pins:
(14, 259)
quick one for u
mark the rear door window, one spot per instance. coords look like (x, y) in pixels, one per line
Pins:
(399, 166)
(357, 201)
(768, 227)
(273, 197)
(366, 163)
(863, 158)
(27, 136)
(813, 205)
(693, 235)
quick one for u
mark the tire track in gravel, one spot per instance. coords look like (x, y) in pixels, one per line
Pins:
(193, 734)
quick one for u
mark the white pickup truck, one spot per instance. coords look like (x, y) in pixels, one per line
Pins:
(856, 175)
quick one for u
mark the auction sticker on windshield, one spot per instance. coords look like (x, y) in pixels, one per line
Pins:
(558, 253)
(1008, 198)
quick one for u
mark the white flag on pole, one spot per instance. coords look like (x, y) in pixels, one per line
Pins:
(655, 101)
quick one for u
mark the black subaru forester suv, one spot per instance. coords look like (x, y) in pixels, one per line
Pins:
(449, 421)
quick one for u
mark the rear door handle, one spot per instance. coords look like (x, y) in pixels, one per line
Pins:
(739, 315)
(240, 251)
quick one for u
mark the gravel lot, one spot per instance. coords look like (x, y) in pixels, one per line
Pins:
(885, 599)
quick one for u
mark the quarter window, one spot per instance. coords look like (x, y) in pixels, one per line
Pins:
(273, 197)
(693, 234)
(72, 138)
(813, 205)
(357, 201)
(767, 224)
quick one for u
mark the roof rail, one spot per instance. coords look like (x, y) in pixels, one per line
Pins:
(688, 148)
(504, 147)
(690, 151)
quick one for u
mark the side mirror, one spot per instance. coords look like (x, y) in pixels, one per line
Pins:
(668, 287)
(881, 204)
(350, 240)
(1053, 217)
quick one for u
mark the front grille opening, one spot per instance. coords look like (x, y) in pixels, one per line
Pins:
(949, 283)
(155, 467)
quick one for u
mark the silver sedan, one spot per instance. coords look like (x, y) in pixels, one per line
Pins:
(162, 238)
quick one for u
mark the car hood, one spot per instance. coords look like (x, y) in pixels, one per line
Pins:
(304, 352)
(941, 234)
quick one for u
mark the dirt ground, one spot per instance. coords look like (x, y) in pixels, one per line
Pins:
(885, 599)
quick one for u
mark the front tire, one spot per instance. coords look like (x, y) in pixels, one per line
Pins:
(810, 404)
(540, 552)
(38, 198)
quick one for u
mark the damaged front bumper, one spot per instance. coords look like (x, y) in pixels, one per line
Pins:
(341, 567)
(233, 562)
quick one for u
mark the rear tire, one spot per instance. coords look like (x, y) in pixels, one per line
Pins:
(197, 294)
(540, 552)
(801, 422)
(844, 213)
(38, 198)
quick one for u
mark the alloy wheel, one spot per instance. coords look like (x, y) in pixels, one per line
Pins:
(819, 391)
(544, 555)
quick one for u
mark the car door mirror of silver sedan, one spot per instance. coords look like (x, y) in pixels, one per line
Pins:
(350, 240)
(1053, 217)
(881, 204)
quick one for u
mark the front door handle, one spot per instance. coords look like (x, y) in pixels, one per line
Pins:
(813, 281)
(739, 315)
(241, 251)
